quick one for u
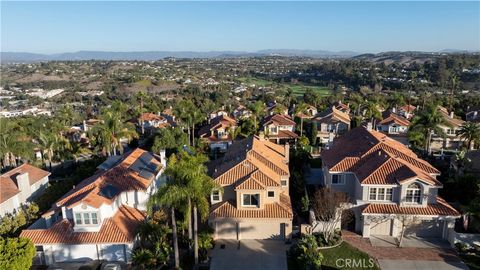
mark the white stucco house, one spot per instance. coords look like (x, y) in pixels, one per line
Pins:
(21, 185)
(388, 186)
(98, 218)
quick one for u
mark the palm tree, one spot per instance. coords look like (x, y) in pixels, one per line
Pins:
(172, 196)
(300, 110)
(469, 131)
(258, 110)
(110, 131)
(429, 121)
(197, 117)
(14, 143)
(371, 111)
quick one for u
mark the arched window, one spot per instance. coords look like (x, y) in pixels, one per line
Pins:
(413, 193)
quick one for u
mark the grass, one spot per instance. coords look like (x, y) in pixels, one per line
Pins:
(299, 90)
(341, 254)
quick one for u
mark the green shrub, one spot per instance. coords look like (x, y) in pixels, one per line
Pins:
(16, 253)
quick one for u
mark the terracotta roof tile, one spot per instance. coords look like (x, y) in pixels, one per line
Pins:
(120, 228)
(250, 183)
(376, 159)
(8, 180)
(120, 176)
(393, 118)
(271, 210)
(441, 208)
(279, 119)
(332, 114)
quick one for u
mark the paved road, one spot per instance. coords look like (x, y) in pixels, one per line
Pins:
(420, 265)
(249, 254)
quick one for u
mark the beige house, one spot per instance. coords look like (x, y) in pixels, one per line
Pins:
(254, 203)
(217, 133)
(21, 185)
(331, 123)
(388, 185)
(395, 126)
(279, 128)
(452, 141)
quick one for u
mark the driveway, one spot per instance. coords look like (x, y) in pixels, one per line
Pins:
(249, 254)
(416, 253)
(421, 265)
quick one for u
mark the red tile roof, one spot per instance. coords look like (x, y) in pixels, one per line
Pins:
(284, 134)
(8, 180)
(151, 117)
(279, 119)
(121, 228)
(393, 118)
(271, 210)
(441, 208)
(333, 115)
(376, 159)
(121, 176)
(221, 121)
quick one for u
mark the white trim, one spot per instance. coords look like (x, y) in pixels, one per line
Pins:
(219, 196)
(251, 205)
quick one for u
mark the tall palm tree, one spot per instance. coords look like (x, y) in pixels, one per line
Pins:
(110, 131)
(429, 121)
(14, 143)
(469, 131)
(300, 111)
(172, 196)
(197, 117)
(258, 110)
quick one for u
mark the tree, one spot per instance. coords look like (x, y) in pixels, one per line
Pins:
(328, 206)
(306, 253)
(143, 259)
(141, 96)
(470, 132)
(109, 133)
(170, 139)
(14, 143)
(429, 121)
(190, 174)
(313, 133)
(301, 111)
(258, 110)
(16, 253)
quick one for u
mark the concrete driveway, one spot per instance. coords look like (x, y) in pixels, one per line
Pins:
(249, 254)
(420, 265)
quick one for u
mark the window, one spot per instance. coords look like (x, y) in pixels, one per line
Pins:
(88, 218)
(380, 194)
(216, 196)
(273, 130)
(338, 179)
(413, 193)
(78, 219)
(283, 182)
(94, 218)
(251, 200)
(271, 194)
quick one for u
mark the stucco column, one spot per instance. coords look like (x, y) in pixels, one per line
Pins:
(366, 227)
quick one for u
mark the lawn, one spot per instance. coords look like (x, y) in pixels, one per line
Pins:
(339, 257)
(256, 81)
(298, 90)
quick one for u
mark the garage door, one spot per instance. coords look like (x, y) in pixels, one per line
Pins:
(382, 227)
(262, 230)
(226, 229)
(426, 228)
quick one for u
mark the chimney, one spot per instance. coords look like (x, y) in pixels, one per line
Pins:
(394, 110)
(64, 212)
(451, 114)
(163, 158)
(287, 152)
(84, 123)
(261, 136)
(369, 126)
(23, 184)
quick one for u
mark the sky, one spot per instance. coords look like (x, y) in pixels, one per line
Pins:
(56, 27)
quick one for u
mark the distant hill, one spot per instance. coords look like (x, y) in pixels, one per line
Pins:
(156, 55)
(406, 57)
